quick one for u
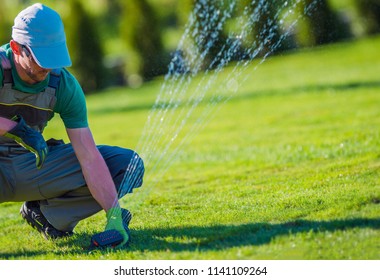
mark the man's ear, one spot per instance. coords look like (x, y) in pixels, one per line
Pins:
(16, 49)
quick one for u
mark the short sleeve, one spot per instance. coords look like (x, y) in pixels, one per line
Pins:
(71, 102)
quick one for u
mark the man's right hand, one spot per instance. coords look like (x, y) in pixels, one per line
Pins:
(30, 139)
(115, 221)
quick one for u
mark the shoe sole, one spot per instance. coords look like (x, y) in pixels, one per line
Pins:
(126, 215)
(31, 222)
(39, 227)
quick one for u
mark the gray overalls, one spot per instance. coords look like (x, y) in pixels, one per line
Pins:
(59, 185)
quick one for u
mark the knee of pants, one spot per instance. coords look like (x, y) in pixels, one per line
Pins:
(133, 177)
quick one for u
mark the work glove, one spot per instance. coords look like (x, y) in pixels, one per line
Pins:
(30, 139)
(115, 221)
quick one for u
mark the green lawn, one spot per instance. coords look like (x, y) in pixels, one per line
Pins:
(288, 168)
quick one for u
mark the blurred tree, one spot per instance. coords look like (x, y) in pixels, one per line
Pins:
(267, 32)
(140, 29)
(5, 27)
(209, 28)
(325, 24)
(8, 12)
(218, 21)
(183, 11)
(111, 17)
(85, 47)
(370, 11)
(205, 22)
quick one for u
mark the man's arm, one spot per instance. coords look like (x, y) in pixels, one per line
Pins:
(98, 178)
(6, 125)
(94, 168)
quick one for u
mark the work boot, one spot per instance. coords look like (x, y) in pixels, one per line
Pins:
(31, 213)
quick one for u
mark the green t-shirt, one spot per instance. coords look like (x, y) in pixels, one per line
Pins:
(71, 103)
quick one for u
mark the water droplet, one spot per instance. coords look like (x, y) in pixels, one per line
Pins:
(232, 85)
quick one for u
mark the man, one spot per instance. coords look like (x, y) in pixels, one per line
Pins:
(62, 184)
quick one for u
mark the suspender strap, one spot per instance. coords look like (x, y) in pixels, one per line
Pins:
(5, 63)
(7, 78)
(55, 76)
(53, 81)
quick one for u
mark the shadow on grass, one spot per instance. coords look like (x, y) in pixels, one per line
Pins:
(197, 238)
(221, 237)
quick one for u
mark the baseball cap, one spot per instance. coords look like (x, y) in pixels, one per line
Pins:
(41, 29)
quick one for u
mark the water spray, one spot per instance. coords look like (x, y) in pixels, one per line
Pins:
(163, 135)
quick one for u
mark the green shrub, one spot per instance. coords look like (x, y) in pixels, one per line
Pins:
(325, 24)
(141, 31)
(85, 47)
(370, 11)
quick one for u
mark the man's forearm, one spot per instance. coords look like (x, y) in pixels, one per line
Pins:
(100, 183)
(94, 168)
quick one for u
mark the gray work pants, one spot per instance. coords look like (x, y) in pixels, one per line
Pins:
(59, 185)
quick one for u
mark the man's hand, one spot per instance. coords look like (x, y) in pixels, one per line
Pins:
(30, 139)
(115, 221)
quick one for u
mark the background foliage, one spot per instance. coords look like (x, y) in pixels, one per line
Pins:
(133, 40)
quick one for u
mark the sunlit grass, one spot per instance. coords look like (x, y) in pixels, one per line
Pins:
(286, 169)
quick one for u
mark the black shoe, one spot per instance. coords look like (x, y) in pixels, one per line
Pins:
(32, 214)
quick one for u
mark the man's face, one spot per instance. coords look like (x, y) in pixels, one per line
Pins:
(32, 70)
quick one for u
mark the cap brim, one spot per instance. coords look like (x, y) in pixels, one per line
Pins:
(52, 57)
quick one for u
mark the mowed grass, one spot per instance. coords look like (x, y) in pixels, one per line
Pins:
(288, 168)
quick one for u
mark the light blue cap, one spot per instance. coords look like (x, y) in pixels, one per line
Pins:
(41, 29)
